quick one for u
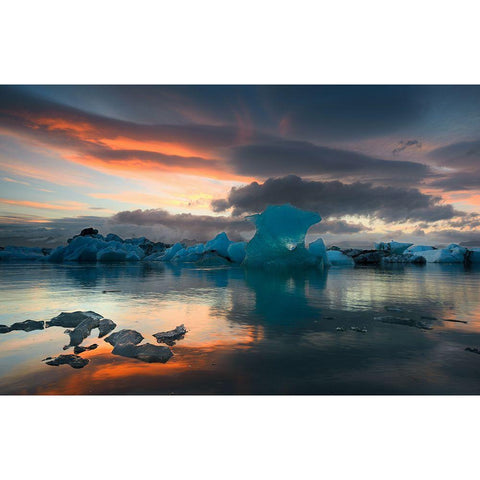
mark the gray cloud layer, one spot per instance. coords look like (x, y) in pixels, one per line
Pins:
(335, 199)
(304, 158)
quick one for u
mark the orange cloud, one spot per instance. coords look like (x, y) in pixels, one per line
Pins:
(45, 206)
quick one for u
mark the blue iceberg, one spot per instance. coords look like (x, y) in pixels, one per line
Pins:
(280, 238)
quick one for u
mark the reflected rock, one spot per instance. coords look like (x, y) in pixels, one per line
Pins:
(71, 319)
(73, 360)
(26, 326)
(124, 337)
(79, 349)
(146, 353)
(279, 240)
(473, 350)
(408, 322)
(81, 331)
(105, 325)
(171, 336)
(358, 329)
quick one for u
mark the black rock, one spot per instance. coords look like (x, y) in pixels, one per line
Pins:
(124, 337)
(408, 322)
(368, 258)
(88, 231)
(71, 319)
(73, 360)
(79, 349)
(146, 353)
(358, 329)
(26, 326)
(452, 320)
(473, 350)
(105, 326)
(81, 331)
(171, 336)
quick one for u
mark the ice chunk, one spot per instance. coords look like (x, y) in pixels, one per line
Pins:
(22, 253)
(280, 238)
(190, 254)
(111, 255)
(418, 248)
(474, 256)
(396, 248)
(219, 244)
(318, 249)
(236, 251)
(336, 257)
(170, 252)
(453, 253)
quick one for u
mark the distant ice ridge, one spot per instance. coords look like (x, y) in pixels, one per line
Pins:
(279, 241)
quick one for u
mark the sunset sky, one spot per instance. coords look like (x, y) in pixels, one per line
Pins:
(176, 162)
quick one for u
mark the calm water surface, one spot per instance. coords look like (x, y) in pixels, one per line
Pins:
(249, 332)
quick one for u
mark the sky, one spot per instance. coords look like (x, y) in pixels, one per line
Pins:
(187, 162)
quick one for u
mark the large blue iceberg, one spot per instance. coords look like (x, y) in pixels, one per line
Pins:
(280, 238)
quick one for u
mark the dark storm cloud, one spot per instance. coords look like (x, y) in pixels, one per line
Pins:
(338, 199)
(304, 158)
(353, 111)
(463, 158)
(404, 145)
(17, 106)
(324, 111)
(458, 155)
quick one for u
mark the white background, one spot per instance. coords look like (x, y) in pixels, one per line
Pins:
(239, 42)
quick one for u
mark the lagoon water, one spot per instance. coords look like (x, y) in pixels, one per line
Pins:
(249, 332)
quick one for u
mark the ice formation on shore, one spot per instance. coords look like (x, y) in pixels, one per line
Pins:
(279, 241)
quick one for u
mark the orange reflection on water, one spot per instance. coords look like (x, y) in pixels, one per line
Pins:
(109, 373)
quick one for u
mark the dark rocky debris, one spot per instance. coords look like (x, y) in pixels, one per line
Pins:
(358, 329)
(71, 319)
(81, 331)
(105, 326)
(408, 322)
(473, 350)
(26, 326)
(146, 353)
(73, 360)
(124, 337)
(171, 336)
(79, 349)
(88, 231)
